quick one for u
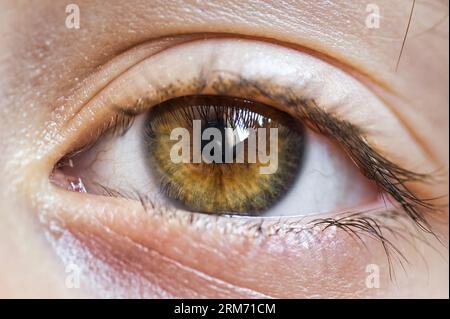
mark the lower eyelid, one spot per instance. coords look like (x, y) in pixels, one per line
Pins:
(123, 226)
(120, 232)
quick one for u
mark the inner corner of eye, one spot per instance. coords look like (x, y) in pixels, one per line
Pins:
(220, 154)
(66, 176)
(76, 171)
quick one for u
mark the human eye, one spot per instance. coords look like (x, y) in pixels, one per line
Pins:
(184, 138)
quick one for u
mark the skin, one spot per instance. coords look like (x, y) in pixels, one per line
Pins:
(44, 65)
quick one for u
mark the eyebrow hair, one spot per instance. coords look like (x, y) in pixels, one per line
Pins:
(406, 34)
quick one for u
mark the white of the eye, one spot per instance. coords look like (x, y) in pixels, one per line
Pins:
(328, 182)
(121, 162)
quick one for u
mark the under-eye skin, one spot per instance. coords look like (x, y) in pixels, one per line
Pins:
(298, 113)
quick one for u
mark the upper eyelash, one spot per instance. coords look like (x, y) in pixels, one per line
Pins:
(118, 125)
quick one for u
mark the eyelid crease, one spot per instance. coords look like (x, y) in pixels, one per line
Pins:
(339, 62)
(183, 38)
(409, 127)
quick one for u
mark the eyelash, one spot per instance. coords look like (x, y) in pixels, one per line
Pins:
(388, 176)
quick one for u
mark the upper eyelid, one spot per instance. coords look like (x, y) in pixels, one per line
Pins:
(240, 87)
(200, 82)
(83, 96)
(279, 94)
(225, 83)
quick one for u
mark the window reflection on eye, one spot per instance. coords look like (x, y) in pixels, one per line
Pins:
(325, 163)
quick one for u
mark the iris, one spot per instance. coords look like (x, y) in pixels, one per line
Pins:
(231, 177)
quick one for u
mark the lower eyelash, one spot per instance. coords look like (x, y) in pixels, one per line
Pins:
(372, 224)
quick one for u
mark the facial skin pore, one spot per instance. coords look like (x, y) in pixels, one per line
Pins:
(48, 71)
